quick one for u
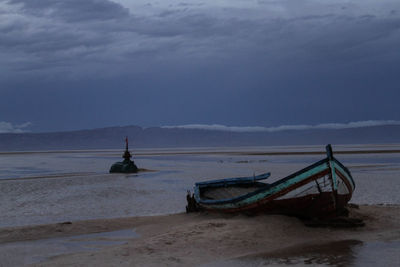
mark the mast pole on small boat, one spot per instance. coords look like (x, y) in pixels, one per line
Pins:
(127, 155)
(332, 175)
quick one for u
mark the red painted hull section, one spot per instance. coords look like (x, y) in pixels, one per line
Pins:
(317, 205)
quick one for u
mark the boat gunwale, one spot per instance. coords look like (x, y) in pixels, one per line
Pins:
(268, 186)
(228, 181)
(346, 170)
(266, 199)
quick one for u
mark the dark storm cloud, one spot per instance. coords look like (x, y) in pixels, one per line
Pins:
(56, 36)
(74, 10)
(41, 33)
(351, 37)
(91, 32)
(294, 52)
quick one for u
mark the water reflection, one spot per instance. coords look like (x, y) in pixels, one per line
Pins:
(339, 253)
(31, 252)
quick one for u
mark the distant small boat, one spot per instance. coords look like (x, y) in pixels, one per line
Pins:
(319, 190)
(126, 166)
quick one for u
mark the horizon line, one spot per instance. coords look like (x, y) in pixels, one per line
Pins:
(7, 128)
(326, 126)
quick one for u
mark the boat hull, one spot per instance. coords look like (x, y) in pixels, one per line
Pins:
(319, 190)
(309, 206)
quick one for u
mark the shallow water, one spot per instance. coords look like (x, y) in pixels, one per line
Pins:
(341, 253)
(37, 188)
(30, 252)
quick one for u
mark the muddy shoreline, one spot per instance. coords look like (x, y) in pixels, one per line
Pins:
(203, 238)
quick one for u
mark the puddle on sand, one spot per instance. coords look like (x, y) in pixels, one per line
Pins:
(340, 253)
(30, 252)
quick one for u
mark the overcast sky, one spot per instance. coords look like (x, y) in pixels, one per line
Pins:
(79, 64)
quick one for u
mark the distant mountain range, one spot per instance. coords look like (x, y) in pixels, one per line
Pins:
(161, 137)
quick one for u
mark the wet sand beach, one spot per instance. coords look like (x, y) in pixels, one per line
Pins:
(214, 240)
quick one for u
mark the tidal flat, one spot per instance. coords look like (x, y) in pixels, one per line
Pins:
(59, 194)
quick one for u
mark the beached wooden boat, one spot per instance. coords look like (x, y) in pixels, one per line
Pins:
(321, 189)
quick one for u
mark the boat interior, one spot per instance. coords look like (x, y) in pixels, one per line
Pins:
(230, 191)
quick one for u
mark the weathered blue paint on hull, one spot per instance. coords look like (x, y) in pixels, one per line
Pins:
(257, 196)
(230, 181)
(271, 197)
